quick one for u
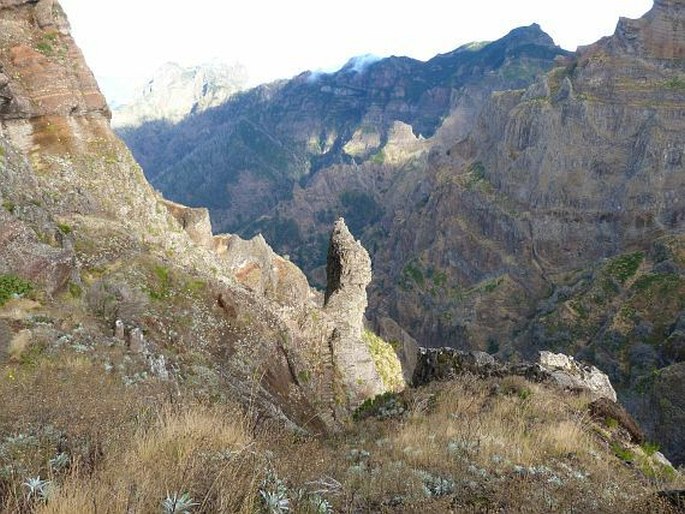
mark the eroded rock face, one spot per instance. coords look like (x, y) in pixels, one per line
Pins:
(195, 221)
(256, 266)
(348, 275)
(660, 34)
(77, 216)
(22, 253)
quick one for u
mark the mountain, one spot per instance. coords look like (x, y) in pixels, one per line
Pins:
(514, 197)
(174, 92)
(147, 364)
(264, 141)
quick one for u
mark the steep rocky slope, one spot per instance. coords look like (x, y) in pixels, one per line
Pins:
(556, 222)
(91, 257)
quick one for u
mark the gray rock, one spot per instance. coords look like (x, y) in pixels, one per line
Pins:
(136, 341)
(570, 374)
(119, 329)
(348, 273)
(445, 363)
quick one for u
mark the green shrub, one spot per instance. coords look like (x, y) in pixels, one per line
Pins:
(676, 83)
(162, 289)
(45, 48)
(622, 453)
(75, 290)
(650, 448)
(383, 406)
(64, 228)
(611, 423)
(12, 285)
(385, 359)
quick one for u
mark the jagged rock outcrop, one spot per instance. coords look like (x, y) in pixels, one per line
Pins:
(195, 222)
(256, 266)
(348, 274)
(559, 369)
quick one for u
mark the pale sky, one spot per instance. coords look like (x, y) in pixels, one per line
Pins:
(124, 41)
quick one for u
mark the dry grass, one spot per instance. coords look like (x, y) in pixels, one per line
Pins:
(469, 445)
(18, 345)
(200, 450)
(477, 446)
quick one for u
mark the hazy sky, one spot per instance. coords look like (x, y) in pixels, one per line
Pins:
(124, 41)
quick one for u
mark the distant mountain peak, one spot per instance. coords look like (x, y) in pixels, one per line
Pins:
(175, 91)
(532, 33)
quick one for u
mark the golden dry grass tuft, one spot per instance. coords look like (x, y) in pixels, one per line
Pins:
(203, 451)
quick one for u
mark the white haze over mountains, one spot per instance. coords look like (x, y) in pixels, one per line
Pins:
(124, 41)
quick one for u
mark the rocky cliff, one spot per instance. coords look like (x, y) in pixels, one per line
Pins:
(140, 282)
(555, 222)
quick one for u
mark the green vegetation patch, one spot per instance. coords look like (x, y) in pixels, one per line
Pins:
(386, 405)
(11, 286)
(379, 157)
(624, 267)
(622, 453)
(662, 281)
(676, 84)
(386, 361)
(477, 178)
(64, 228)
(162, 289)
(411, 273)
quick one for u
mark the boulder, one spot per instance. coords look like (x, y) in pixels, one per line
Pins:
(195, 221)
(573, 375)
(445, 363)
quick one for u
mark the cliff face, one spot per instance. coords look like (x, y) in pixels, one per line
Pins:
(583, 165)
(102, 254)
(502, 212)
(556, 221)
